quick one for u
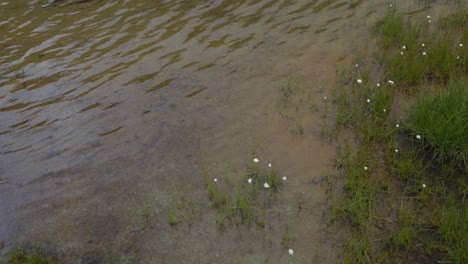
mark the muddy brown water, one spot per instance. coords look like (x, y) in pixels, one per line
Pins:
(110, 107)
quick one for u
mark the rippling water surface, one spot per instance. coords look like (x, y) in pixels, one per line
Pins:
(68, 68)
(106, 106)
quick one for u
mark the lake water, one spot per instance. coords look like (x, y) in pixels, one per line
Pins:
(111, 107)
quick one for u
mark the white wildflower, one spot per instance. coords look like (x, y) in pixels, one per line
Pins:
(461, 45)
(397, 125)
(390, 82)
(256, 160)
(404, 47)
(401, 53)
(359, 81)
(418, 136)
(385, 110)
(365, 168)
(424, 185)
(291, 252)
(378, 84)
(284, 178)
(368, 100)
(424, 53)
(266, 185)
(423, 45)
(215, 180)
(396, 150)
(269, 165)
(250, 180)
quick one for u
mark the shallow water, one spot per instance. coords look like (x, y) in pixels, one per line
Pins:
(108, 107)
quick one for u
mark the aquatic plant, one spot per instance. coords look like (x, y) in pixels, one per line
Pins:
(34, 255)
(245, 201)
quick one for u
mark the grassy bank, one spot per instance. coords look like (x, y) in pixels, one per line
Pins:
(401, 182)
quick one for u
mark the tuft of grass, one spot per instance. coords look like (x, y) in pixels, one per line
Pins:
(241, 202)
(298, 128)
(182, 209)
(146, 221)
(454, 229)
(172, 215)
(441, 120)
(34, 256)
(286, 237)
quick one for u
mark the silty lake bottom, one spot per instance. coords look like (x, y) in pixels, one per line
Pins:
(117, 117)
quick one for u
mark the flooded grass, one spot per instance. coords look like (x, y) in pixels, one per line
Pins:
(183, 209)
(35, 255)
(295, 99)
(247, 201)
(402, 181)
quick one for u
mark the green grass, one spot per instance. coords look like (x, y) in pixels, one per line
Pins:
(33, 256)
(239, 201)
(410, 204)
(415, 51)
(454, 230)
(295, 99)
(441, 120)
(182, 209)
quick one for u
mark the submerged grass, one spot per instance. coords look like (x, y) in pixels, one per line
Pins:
(33, 256)
(245, 201)
(402, 181)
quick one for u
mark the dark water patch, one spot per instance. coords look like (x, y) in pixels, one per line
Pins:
(110, 106)
(161, 85)
(15, 107)
(239, 43)
(144, 78)
(205, 67)
(323, 5)
(195, 93)
(299, 28)
(339, 5)
(304, 7)
(109, 132)
(318, 31)
(16, 150)
(20, 123)
(89, 107)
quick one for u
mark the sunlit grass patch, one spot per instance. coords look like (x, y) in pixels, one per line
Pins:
(441, 120)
